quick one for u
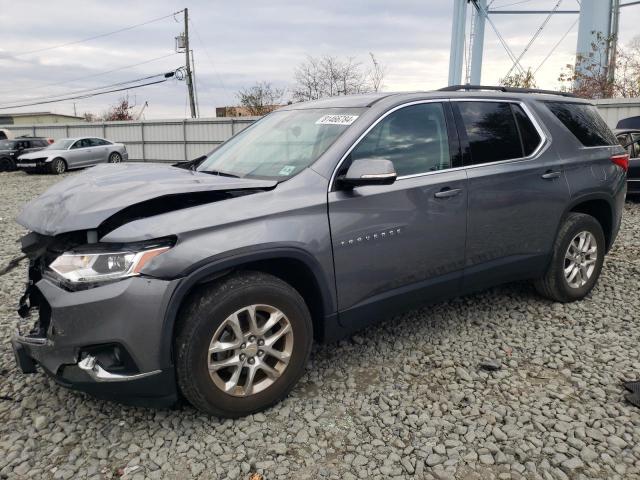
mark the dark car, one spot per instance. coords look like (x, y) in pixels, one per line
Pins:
(630, 139)
(10, 150)
(320, 218)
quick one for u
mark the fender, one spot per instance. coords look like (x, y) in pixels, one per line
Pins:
(213, 267)
(585, 198)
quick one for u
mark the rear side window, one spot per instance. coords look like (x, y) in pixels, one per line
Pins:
(584, 122)
(530, 136)
(491, 130)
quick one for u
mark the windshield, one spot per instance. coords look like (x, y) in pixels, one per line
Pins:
(60, 144)
(281, 144)
(7, 144)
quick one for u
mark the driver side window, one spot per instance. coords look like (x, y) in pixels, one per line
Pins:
(414, 138)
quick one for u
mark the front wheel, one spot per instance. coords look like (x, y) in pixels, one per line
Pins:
(578, 255)
(7, 164)
(242, 344)
(58, 166)
(115, 157)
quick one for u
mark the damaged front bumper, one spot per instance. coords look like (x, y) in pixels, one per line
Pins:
(105, 340)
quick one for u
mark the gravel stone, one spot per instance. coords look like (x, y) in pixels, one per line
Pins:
(407, 398)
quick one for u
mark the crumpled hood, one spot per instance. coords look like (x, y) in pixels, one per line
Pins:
(83, 201)
(45, 152)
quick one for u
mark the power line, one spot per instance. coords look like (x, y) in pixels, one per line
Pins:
(88, 90)
(206, 52)
(75, 42)
(87, 96)
(88, 76)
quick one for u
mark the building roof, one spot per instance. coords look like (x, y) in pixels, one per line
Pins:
(32, 114)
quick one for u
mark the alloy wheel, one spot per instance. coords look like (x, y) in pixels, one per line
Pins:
(114, 158)
(580, 259)
(250, 350)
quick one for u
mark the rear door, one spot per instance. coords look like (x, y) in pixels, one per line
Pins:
(517, 192)
(402, 244)
(101, 148)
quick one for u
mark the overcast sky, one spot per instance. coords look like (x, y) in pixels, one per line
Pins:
(238, 43)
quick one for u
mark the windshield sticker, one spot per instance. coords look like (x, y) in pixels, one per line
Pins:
(287, 170)
(336, 120)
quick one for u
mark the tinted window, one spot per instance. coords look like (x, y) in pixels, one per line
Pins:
(530, 136)
(414, 138)
(584, 122)
(491, 131)
(100, 141)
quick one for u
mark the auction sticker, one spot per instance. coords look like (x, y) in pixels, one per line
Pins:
(336, 119)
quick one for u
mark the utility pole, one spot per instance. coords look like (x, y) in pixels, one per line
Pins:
(613, 40)
(192, 102)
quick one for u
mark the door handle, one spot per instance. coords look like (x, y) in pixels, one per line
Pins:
(447, 192)
(550, 175)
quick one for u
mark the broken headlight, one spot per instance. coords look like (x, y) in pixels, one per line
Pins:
(102, 266)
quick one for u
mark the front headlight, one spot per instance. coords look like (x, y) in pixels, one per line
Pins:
(100, 267)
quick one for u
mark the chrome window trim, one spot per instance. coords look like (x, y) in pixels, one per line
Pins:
(543, 145)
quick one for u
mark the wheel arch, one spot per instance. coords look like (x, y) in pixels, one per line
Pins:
(601, 208)
(294, 266)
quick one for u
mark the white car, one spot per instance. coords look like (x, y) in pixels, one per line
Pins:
(69, 153)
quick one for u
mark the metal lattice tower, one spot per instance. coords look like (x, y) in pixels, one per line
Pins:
(595, 17)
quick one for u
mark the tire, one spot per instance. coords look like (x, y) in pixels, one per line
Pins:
(58, 166)
(115, 157)
(7, 164)
(207, 314)
(554, 284)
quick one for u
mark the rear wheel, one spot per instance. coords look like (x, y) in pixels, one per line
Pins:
(242, 344)
(115, 157)
(578, 255)
(58, 166)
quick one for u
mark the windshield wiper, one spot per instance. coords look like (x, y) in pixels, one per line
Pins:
(218, 172)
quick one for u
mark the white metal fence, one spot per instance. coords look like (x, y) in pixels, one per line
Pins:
(150, 140)
(173, 140)
(615, 109)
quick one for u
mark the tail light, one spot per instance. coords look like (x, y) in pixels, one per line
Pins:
(621, 160)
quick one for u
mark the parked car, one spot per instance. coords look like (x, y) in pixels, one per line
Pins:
(10, 150)
(5, 134)
(310, 224)
(630, 139)
(69, 153)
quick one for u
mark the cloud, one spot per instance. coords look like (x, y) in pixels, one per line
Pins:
(238, 43)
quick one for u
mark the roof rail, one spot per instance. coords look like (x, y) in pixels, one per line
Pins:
(499, 88)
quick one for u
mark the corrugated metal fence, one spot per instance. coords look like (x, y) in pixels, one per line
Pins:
(173, 140)
(615, 109)
(150, 140)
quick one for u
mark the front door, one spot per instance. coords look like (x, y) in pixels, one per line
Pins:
(399, 245)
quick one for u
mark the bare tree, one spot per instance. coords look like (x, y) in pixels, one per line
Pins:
(90, 117)
(627, 78)
(520, 80)
(261, 98)
(588, 77)
(376, 74)
(329, 76)
(119, 111)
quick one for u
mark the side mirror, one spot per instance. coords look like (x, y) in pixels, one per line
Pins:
(369, 171)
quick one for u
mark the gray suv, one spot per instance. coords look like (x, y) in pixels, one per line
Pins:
(214, 280)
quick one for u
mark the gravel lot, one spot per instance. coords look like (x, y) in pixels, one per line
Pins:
(404, 399)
